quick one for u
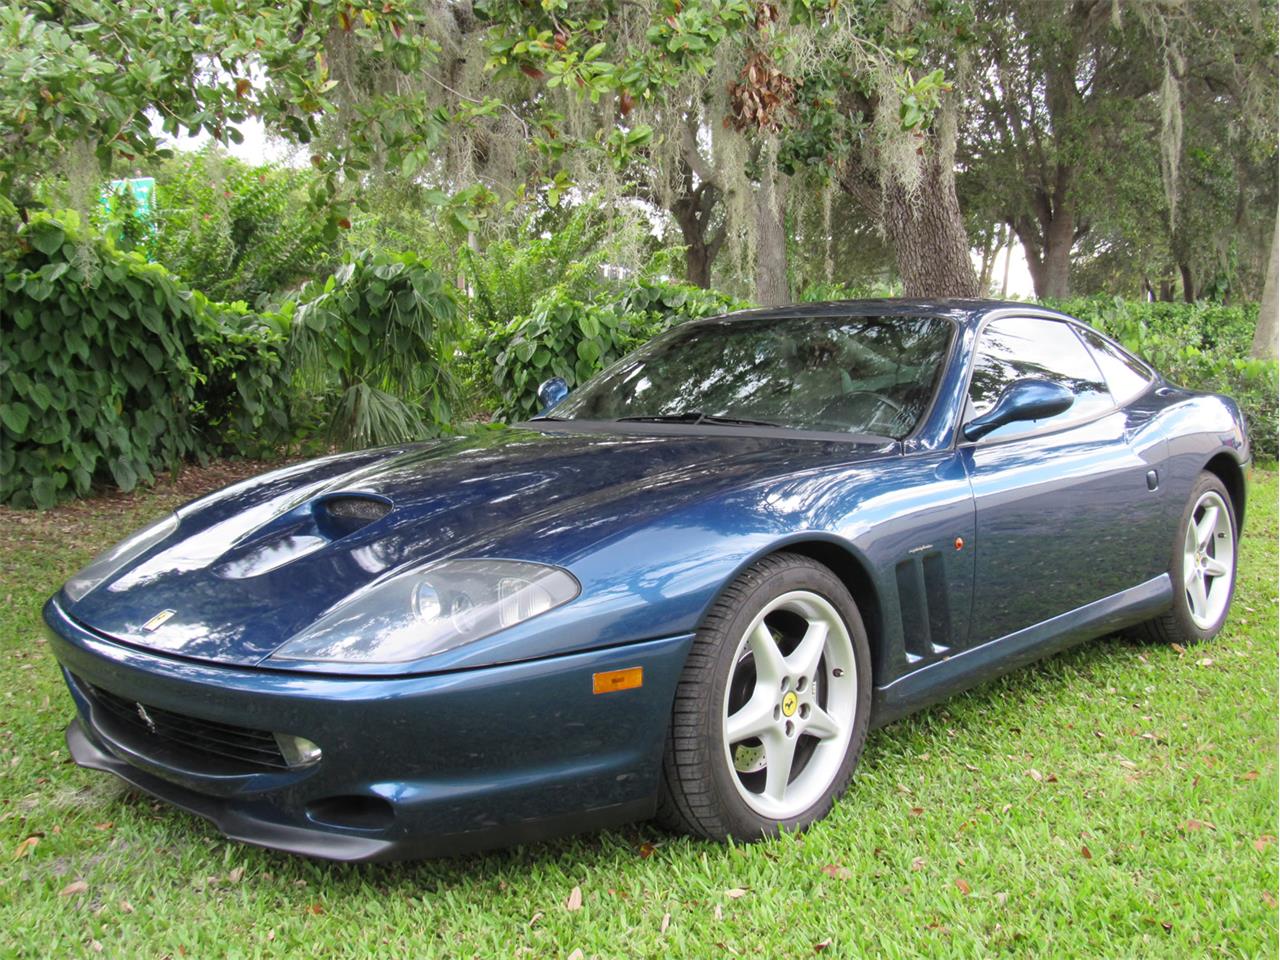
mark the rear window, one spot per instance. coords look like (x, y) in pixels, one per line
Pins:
(1126, 375)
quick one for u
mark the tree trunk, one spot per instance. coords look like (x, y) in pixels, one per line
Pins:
(929, 237)
(1047, 241)
(697, 265)
(693, 212)
(1008, 255)
(1188, 283)
(1264, 337)
(991, 248)
(771, 239)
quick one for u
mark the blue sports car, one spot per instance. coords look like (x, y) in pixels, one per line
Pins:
(688, 589)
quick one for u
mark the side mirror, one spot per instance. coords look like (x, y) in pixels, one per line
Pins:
(1027, 399)
(550, 393)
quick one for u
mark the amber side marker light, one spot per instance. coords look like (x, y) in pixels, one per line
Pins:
(612, 680)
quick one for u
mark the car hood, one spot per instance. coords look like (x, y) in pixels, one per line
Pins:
(250, 566)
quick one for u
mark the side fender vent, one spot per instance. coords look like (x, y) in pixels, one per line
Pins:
(926, 614)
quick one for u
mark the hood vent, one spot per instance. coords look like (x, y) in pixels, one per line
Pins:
(342, 515)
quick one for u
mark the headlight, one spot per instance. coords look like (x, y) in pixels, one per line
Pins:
(431, 609)
(109, 561)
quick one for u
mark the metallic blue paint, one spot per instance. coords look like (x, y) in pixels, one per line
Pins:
(967, 558)
(1022, 400)
(551, 392)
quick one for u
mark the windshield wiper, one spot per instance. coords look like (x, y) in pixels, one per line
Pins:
(697, 417)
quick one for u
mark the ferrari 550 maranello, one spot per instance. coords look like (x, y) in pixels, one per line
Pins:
(688, 589)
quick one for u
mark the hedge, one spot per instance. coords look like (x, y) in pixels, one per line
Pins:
(111, 370)
(1204, 346)
(569, 338)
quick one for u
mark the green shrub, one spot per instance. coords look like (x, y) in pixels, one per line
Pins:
(376, 341)
(561, 337)
(1203, 346)
(566, 337)
(655, 305)
(110, 369)
(235, 231)
(242, 404)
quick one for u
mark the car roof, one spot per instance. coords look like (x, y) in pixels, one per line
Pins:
(963, 311)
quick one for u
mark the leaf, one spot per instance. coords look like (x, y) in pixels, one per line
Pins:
(1035, 775)
(74, 888)
(916, 811)
(734, 893)
(235, 875)
(16, 416)
(25, 847)
(821, 945)
(1263, 842)
(1190, 826)
(1251, 775)
(837, 871)
(122, 472)
(647, 850)
(1085, 852)
(666, 922)
(962, 886)
(47, 238)
(576, 955)
(44, 492)
(574, 901)
(917, 863)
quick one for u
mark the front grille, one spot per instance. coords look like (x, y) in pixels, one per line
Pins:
(216, 747)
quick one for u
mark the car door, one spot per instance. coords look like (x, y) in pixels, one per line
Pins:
(1065, 509)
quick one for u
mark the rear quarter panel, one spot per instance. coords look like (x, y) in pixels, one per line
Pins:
(1197, 427)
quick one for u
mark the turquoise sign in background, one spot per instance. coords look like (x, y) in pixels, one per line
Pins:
(143, 190)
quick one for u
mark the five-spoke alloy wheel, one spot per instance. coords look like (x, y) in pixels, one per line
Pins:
(1209, 559)
(771, 713)
(1203, 568)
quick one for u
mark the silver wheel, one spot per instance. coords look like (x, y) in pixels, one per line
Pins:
(790, 704)
(1208, 560)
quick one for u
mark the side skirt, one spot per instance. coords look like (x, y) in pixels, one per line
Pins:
(966, 668)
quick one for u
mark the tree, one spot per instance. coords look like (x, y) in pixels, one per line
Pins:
(84, 85)
(1264, 338)
(880, 115)
(1055, 87)
(1091, 113)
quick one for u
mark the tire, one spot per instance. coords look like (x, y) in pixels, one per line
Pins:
(811, 710)
(1190, 620)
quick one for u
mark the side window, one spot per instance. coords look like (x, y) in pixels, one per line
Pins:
(1126, 376)
(1014, 348)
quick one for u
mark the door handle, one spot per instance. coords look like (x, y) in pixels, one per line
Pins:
(1153, 479)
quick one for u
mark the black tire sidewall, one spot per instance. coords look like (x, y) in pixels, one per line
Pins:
(798, 574)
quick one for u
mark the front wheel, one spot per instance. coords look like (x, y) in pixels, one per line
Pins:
(1203, 568)
(771, 713)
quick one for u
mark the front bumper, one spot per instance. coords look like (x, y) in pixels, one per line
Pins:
(453, 762)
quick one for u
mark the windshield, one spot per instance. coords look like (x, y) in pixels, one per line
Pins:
(871, 375)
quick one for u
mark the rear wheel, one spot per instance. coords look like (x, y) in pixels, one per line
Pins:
(1203, 569)
(771, 713)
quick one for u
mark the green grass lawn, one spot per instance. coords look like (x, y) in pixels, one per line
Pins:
(1119, 800)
